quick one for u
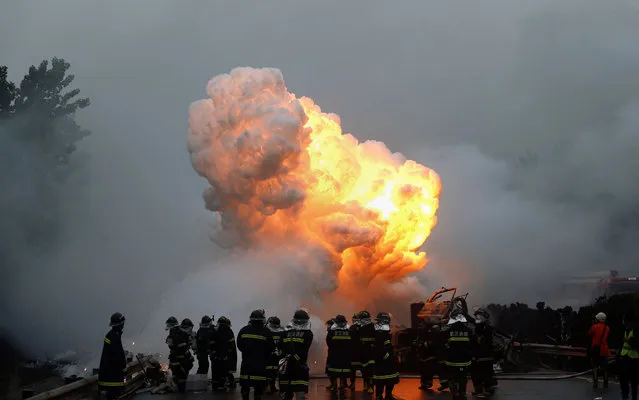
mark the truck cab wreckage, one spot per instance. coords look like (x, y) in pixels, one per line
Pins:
(436, 310)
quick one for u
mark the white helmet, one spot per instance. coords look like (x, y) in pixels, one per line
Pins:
(601, 317)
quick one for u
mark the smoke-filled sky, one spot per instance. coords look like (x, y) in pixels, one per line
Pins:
(528, 111)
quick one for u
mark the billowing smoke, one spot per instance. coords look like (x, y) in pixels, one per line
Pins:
(283, 177)
(527, 111)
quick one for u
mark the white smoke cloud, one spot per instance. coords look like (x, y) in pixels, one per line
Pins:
(468, 90)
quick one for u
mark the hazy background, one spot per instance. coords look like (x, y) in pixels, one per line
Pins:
(529, 112)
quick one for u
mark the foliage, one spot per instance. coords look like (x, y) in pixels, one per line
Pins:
(38, 136)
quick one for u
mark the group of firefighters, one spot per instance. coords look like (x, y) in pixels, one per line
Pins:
(273, 355)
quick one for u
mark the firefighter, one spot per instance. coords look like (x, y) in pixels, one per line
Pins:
(628, 358)
(294, 371)
(204, 338)
(274, 325)
(181, 360)
(113, 360)
(440, 339)
(482, 367)
(458, 353)
(386, 371)
(355, 353)
(256, 345)
(224, 356)
(427, 356)
(366, 334)
(338, 362)
(329, 324)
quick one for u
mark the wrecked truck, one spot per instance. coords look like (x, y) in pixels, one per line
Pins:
(436, 310)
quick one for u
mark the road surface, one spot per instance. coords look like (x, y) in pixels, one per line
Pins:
(407, 390)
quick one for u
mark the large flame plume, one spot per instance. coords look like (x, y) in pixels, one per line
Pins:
(283, 176)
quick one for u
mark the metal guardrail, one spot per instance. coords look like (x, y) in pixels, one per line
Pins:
(556, 350)
(133, 376)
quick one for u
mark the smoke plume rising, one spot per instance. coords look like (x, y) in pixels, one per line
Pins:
(527, 111)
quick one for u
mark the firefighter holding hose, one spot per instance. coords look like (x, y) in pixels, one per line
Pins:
(181, 360)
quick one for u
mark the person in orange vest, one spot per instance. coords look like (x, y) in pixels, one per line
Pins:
(599, 350)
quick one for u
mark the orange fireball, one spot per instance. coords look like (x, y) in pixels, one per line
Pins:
(282, 174)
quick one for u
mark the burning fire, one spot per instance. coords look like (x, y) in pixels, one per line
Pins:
(283, 175)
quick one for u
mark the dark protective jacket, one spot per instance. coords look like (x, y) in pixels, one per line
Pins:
(385, 362)
(483, 343)
(224, 350)
(256, 344)
(426, 346)
(367, 339)
(205, 341)
(113, 360)
(459, 348)
(339, 342)
(356, 348)
(295, 345)
(180, 357)
(276, 355)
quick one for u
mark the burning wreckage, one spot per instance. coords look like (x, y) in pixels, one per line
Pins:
(436, 311)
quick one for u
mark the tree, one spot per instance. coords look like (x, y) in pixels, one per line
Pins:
(38, 135)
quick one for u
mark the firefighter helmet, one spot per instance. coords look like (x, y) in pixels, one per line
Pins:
(224, 321)
(275, 321)
(171, 322)
(117, 319)
(186, 323)
(364, 315)
(301, 315)
(340, 320)
(383, 317)
(257, 315)
(206, 321)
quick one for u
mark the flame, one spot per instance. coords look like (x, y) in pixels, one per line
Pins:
(282, 171)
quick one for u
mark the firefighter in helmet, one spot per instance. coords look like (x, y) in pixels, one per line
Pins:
(367, 339)
(482, 367)
(224, 356)
(180, 357)
(204, 341)
(256, 344)
(294, 371)
(355, 350)
(427, 356)
(386, 371)
(274, 325)
(338, 362)
(459, 353)
(113, 360)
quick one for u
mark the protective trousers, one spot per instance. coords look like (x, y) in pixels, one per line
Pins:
(628, 377)
(297, 395)
(481, 372)
(458, 380)
(203, 364)
(111, 393)
(599, 367)
(385, 389)
(257, 392)
(427, 369)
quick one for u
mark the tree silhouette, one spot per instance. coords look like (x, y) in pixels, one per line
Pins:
(38, 135)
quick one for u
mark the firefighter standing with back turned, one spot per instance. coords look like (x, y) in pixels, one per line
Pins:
(355, 351)
(294, 371)
(256, 344)
(386, 372)
(204, 338)
(427, 358)
(113, 360)
(338, 361)
(274, 325)
(458, 353)
(366, 333)
(482, 368)
(180, 357)
(224, 356)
